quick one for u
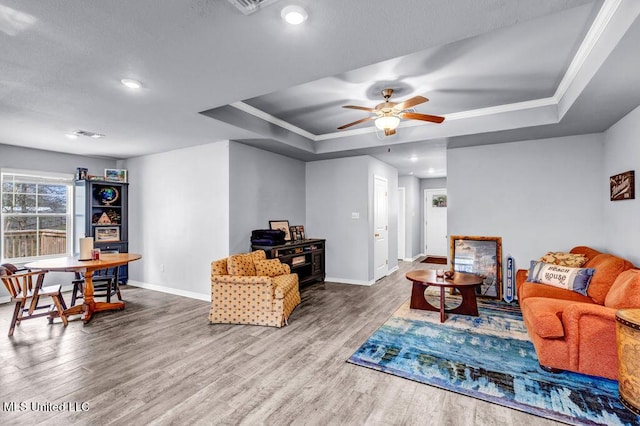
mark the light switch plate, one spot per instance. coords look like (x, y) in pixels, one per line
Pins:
(355, 215)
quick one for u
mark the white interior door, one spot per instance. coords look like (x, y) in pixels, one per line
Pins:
(402, 231)
(380, 225)
(435, 208)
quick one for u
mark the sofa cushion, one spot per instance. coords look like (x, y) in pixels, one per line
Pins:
(269, 268)
(573, 260)
(258, 255)
(528, 290)
(545, 315)
(625, 291)
(241, 264)
(607, 267)
(575, 279)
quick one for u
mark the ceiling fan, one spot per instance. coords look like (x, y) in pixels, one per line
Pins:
(388, 114)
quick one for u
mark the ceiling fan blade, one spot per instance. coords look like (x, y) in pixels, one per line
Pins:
(423, 117)
(356, 122)
(416, 100)
(359, 107)
(389, 132)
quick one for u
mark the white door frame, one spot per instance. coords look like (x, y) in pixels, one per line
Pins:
(424, 216)
(402, 223)
(383, 272)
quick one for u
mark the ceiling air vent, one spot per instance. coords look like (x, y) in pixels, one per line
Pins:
(88, 134)
(249, 6)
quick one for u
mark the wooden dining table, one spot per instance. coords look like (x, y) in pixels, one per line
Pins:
(87, 268)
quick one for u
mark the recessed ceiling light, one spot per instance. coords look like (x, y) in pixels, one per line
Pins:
(410, 173)
(130, 83)
(413, 158)
(294, 15)
(431, 170)
(71, 136)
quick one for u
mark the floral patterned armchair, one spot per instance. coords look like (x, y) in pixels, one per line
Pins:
(251, 289)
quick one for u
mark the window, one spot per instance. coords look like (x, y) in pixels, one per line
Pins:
(36, 215)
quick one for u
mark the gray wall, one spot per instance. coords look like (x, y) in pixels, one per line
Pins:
(14, 157)
(413, 220)
(429, 183)
(263, 186)
(622, 153)
(335, 190)
(537, 195)
(179, 217)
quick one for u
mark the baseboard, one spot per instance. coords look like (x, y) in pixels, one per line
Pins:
(414, 258)
(169, 290)
(348, 281)
(392, 270)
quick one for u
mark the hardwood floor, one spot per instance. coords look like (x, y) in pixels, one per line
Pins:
(161, 362)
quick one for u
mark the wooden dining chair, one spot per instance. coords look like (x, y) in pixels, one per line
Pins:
(26, 290)
(105, 284)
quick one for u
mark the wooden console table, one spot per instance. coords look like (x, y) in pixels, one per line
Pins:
(305, 257)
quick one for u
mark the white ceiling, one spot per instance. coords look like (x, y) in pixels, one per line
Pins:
(498, 70)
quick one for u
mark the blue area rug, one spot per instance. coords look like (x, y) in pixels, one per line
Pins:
(491, 358)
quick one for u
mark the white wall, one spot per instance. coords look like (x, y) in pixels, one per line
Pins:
(621, 218)
(537, 195)
(179, 217)
(413, 221)
(263, 186)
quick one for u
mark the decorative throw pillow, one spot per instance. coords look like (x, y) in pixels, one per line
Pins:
(574, 279)
(269, 268)
(258, 255)
(241, 265)
(564, 259)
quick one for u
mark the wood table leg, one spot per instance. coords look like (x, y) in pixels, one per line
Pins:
(89, 305)
(469, 305)
(418, 301)
(441, 304)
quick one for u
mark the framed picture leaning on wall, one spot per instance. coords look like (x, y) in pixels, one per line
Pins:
(481, 256)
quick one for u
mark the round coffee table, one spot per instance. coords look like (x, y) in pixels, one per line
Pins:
(465, 283)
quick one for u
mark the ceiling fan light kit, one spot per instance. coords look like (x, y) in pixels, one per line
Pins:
(388, 114)
(387, 122)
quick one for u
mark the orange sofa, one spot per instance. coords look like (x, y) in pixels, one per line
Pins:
(574, 332)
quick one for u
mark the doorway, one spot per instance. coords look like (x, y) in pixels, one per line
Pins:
(380, 225)
(402, 227)
(435, 222)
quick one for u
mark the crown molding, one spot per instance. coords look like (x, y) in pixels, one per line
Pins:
(598, 27)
